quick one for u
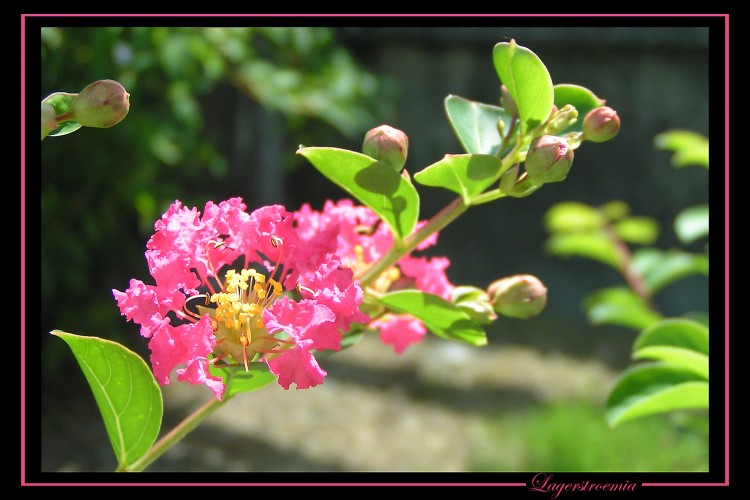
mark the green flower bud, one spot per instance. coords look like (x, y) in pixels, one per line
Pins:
(521, 296)
(549, 159)
(601, 124)
(475, 302)
(102, 104)
(49, 119)
(387, 145)
(561, 119)
(507, 102)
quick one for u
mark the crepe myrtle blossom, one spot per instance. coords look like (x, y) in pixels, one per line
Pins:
(361, 241)
(224, 282)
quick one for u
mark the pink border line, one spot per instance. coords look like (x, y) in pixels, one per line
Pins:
(23, 240)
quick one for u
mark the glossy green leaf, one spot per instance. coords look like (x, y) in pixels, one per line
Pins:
(692, 223)
(475, 124)
(237, 380)
(619, 306)
(653, 388)
(467, 175)
(659, 268)
(689, 148)
(678, 356)
(638, 230)
(528, 82)
(439, 316)
(582, 98)
(375, 185)
(62, 102)
(573, 216)
(591, 245)
(125, 390)
(676, 332)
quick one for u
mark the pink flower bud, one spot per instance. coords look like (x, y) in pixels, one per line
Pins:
(521, 296)
(102, 104)
(549, 159)
(601, 124)
(507, 102)
(387, 145)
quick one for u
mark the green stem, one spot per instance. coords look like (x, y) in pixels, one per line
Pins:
(174, 436)
(438, 222)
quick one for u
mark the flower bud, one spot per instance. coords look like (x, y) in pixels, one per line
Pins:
(549, 159)
(49, 119)
(601, 124)
(102, 104)
(521, 296)
(475, 302)
(387, 145)
(561, 119)
(507, 102)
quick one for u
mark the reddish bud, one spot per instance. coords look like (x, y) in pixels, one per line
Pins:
(387, 145)
(549, 159)
(601, 124)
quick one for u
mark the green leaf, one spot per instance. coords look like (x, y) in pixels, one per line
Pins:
(692, 223)
(62, 102)
(653, 388)
(676, 332)
(638, 230)
(619, 306)
(237, 380)
(528, 82)
(475, 124)
(125, 390)
(573, 216)
(467, 175)
(375, 185)
(659, 268)
(594, 245)
(439, 316)
(582, 98)
(677, 356)
(688, 147)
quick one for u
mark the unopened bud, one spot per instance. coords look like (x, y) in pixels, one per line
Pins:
(521, 296)
(475, 302)
(49, 119)
(549, 159)
(561, 119)
(102, 104)
(387, 145)
(507, 102)
(601, 124)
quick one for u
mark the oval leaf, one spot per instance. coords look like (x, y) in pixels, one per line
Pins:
(677, 332)
(688, 147)
(592, 245)
(678, 356)
(375, 185)
(692, 224)
(653, 388)
(237, 380)
(582, 98)
(439, 316)
(475, 124)
(638, 230)
(528, 82)
(619, 306)
(125, 390)
(467, 175)
(660, 268)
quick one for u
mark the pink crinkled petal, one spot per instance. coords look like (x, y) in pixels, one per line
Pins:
(310, 325)
(172, 271)
(173, 346)
(428, 274)
(400, 331)
(298, 366)
(197, 372)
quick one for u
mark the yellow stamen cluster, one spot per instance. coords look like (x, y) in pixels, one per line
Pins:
(244, 299)
(359, 266)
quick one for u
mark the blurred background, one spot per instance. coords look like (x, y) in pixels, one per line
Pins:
(220, 112)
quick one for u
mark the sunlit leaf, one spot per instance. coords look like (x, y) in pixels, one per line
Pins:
(573, 216)
(582, 98)
(660, 268)
(475, 124)
(467, 175)
(619, 306)
(638, 230)
(237, 380)
(125, 390)
(689, 148)
(692, 223)
(591, 245)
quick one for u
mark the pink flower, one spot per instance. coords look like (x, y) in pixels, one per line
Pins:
(219, 294)
(362, 240)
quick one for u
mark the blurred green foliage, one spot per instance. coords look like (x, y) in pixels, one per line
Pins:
(102, 190)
